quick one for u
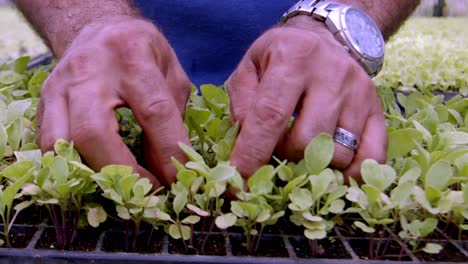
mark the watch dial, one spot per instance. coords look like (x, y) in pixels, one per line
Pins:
(364, 33)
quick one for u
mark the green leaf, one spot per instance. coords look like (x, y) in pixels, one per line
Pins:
(17, 169)
(261, 182)
(186, 177)
(221, 172)
(95, 214)
(35, 83)
(197, 210)
(66, 150)
(199, 116)
(379, 176)
(314, 234)
(123, 212)
(364, 227)
(21, 64)
(3, 140)
(117, 171)
(301, 199)
(183, 233)
(191, 154)
(427, 226)
(432, 248)
(226, 220)
(320, 183)
(319, 153)
(456, 138)
(59, 170)
(10, 192)
(192, 219)
(402, 141)
(438, 175)
(9, 77)
(337, 206)
(180, 200)
(142, 187)
(214, 94)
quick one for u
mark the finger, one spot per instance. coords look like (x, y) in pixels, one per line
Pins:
(352, 119)
(266, 119)
(94, 130)
(373, 143)
(52, 117)
(157, 113)
(177, 79)
(317, 114)
(179, 84)
(242, 85)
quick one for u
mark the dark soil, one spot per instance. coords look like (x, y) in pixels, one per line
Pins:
(32, 215)
(389, 249)
(289, 228)
(146, 242)
(270, 246)
(449, 253)
(215, 246)
(354, 232)
(204, 226)
(329, 248)
(19, 236)
(86, 240)
(453, 232)
(267, 230)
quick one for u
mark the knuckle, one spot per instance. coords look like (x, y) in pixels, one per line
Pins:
(270, 113)
(78, 64)
(85, 132)
(161, 108)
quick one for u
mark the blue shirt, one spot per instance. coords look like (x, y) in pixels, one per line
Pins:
(210, 37)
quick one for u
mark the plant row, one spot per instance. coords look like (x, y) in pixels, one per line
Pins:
(423, 185)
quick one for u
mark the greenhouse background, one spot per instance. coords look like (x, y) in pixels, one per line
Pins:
(413, 208)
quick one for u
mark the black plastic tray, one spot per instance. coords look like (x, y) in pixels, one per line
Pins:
(30, 254)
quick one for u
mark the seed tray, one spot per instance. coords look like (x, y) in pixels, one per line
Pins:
(294, 252)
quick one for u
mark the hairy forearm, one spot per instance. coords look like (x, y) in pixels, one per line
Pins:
(58, 21)
(388, 15)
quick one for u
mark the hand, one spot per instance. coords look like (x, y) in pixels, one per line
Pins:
(300, 67)
(110, 64)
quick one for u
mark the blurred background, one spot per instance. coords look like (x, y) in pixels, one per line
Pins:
(18, 39)
(429, 52)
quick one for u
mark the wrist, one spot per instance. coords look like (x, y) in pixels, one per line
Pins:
(308, 23)
(61, 42)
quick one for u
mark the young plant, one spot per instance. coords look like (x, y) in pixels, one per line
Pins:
(8, 194)
(253, 212)
(134, 198)
(372, 203)
(62, 184)
(200, 188)
(314, 204)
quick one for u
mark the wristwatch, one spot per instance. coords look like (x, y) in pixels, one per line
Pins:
(351, 27)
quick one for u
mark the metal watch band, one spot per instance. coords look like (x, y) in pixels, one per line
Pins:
(304, 7)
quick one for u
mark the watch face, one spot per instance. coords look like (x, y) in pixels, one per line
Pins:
(364, 33)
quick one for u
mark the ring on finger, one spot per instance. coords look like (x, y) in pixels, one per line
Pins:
(346, 138)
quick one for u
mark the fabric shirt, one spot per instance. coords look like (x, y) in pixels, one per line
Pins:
(210, 37)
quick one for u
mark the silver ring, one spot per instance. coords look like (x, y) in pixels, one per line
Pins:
(346, 138)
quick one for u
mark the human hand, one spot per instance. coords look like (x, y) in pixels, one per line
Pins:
(300, 67)
(120, 62)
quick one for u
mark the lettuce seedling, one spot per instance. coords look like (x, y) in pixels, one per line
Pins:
(62, 184)
(253, 212)
(200, 188)
(314, 204)
(8, 193)
(133, 197)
